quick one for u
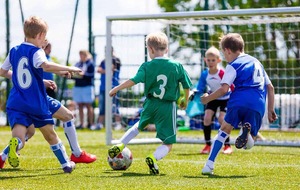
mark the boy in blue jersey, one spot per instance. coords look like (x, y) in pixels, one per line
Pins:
(60, 112)
(161, 77)
(246, 103)
(27, 102)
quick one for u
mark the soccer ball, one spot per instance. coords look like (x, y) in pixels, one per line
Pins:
(122, 161)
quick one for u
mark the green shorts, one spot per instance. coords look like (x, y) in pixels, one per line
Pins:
(163, 115)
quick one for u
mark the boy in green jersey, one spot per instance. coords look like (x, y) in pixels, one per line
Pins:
(161, 77)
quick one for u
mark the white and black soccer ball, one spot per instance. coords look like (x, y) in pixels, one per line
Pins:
(122, 161)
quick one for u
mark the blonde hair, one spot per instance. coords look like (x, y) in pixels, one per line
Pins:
(232, 41)
(33, 26)
(213, 51)
(86, 53)
(157, 40)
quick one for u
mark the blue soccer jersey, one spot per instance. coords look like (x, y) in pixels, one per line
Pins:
(28, 94)
(250, 80)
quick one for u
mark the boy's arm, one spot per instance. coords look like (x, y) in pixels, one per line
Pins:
(185, 100)
(55, 68)
(205, 98)
(271, 111)
(6, 73)
(127, 84)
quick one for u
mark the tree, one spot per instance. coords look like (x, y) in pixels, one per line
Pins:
(281, 63)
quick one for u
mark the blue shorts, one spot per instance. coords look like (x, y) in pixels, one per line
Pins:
(54, 104)
(17, 117)
(115, 105)
(241, 114)
(83, 94)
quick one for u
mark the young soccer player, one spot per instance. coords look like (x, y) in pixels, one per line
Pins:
(211, 78)
(247, 102)
(161, 77)
(62, 113)
(27, 103)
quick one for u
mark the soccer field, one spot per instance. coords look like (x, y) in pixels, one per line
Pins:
(262, 167)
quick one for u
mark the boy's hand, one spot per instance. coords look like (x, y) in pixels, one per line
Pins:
(272, 116)
(113, 92)
(50, 84)
(183, 104)
(204, 99)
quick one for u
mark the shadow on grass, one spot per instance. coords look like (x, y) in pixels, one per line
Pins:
(128, 174)
(14, 173)
(218, 176)
(191, 154)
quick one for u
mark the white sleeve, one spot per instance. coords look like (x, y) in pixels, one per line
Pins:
(6, 65)
(39, 58)
(267, 79)
(229, 75)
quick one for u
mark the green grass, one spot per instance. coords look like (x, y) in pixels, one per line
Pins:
(262, 167)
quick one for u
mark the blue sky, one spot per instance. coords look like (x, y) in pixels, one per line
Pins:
(59, 16)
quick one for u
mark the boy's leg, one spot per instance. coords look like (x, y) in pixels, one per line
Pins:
(208, 116)
(130, 134)
(159, 154)
(242, 139)
(78, 156)
(16, 143)
(216, 146)
(57, 147)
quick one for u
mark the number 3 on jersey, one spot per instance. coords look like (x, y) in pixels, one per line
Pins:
(161, 87)
(23, 74)
(258, 76)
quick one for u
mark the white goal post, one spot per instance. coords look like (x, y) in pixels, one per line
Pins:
(271, 34)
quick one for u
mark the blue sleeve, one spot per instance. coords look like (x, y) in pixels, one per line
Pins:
(201, 87)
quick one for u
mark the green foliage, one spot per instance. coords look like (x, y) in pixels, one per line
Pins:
(259, 168)
(261, 40)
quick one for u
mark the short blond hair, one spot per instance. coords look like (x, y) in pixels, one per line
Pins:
(33, 26)
(157, 40)
(213, 51)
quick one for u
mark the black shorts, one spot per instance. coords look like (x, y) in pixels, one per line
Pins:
(213, 105)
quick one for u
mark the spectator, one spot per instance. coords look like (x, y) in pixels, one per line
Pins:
(47, 75)
(115, 82)
(83, 91)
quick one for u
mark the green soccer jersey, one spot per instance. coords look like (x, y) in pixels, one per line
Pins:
(161, 77)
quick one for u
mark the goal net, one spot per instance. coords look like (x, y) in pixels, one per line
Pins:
(272, 35)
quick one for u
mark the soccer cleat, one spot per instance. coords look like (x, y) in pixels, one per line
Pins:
(13, 157)
(207, 170)
(152, 163)
(115, 150)
(83, 158)
(241, 140)
(206, 149)
(227, 149)
(1, 163)
(69, 169)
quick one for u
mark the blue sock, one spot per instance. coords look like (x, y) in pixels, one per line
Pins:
(217, 145)
(60, 153)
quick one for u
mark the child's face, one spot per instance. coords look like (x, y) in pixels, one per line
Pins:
(41, 40)
(212, 61)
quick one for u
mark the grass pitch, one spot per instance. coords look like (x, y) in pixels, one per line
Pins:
(262, 167)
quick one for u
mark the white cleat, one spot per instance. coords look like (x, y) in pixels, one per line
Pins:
(207, 170)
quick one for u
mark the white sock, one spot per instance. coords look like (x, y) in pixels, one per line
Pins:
(161, 152)
(130, 134)
(70, 132)
(60, 153)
